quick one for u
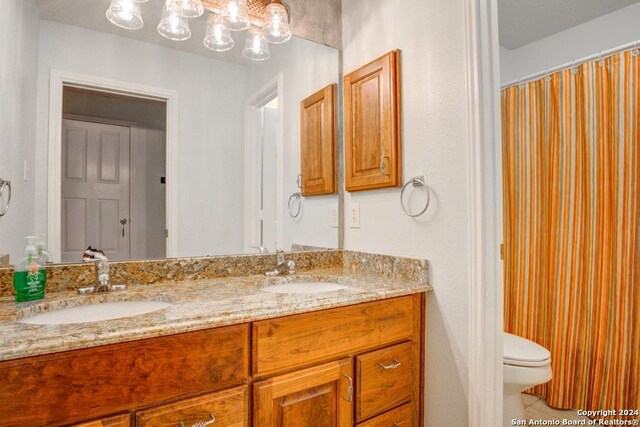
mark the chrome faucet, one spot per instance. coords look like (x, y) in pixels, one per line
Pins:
(283, 267)
(103, 280)
(261, 249)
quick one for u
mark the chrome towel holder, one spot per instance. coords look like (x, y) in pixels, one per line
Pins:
(294, 205)
(4, 202)
(418, 182)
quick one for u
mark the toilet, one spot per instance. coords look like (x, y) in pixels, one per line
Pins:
(525, 364)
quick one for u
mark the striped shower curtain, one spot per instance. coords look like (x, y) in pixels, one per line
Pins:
(571, 171)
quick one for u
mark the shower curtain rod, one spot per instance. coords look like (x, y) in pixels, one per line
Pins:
(572, 64)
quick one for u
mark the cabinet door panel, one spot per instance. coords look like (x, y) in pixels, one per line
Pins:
(228, 408)
(317, 147)
(314, 397)
(373, 157)
(115, 421)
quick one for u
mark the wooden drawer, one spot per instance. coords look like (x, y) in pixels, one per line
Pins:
(123, 420)
(53, 389)
(300, 340)
(399, 417)
(384, 379)
(225, 408)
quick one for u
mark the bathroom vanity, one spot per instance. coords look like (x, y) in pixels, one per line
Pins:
(227, 352)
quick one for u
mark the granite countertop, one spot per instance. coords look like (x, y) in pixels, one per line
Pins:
(196, 305)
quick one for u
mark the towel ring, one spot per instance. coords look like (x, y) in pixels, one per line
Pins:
(4, 206)
(417, 181)
(295, 201)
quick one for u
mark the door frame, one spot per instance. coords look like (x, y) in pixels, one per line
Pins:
(58, 79)
(254, 102)
(485, 392)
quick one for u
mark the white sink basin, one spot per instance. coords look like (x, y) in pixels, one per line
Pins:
(96, 312)
(304, 288)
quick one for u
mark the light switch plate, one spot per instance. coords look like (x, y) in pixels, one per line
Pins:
(333, 217)
(354, 215)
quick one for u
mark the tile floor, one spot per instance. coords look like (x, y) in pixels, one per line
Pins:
(535, 408)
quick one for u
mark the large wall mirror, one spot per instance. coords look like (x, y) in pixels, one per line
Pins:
(149, 148)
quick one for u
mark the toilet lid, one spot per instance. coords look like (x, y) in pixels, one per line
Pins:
(520, 351)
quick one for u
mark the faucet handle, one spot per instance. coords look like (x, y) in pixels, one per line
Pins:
(292, 266)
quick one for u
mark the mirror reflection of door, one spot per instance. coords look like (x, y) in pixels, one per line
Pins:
(268, 176)
(113, 169)
(95, 189)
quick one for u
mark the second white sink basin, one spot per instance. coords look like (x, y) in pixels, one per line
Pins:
(304, 288)
(95, 312)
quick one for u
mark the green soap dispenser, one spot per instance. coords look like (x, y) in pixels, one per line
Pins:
(29, 277)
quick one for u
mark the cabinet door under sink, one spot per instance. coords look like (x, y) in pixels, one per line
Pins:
(314, 397)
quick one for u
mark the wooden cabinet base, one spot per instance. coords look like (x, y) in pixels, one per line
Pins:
(360, 363)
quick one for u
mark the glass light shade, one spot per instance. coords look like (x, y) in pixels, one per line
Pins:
(256, 47)
(186, 8)
(125, 14)
(173, 26)
(218, 37)
(235, 15)
(276, 19)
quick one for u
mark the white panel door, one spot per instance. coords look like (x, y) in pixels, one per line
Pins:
(95, 189)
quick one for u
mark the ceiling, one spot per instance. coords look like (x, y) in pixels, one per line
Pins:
(91, 14)
(525, 21)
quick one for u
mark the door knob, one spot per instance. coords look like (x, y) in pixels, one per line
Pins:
(123, 221)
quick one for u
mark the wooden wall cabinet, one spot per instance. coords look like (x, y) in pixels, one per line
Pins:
(318, 163)
(372, 120)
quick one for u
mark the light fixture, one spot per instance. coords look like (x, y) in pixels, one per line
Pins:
(227, 16)
(218, 37)
(235, 15)
(186, 8)
(256, 47)
(125, 14)
(173, 26)
(276, 23)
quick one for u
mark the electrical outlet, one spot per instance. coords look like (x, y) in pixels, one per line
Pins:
(333, 217)
(354, 215)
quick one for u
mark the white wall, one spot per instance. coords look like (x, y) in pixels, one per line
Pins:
(306, 67)
(431, 36)
(18, 65)
(211, 96)
(597, 35)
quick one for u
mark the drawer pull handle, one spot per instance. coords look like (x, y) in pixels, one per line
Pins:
(393, 365)
(201, 423)
(349, 398)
